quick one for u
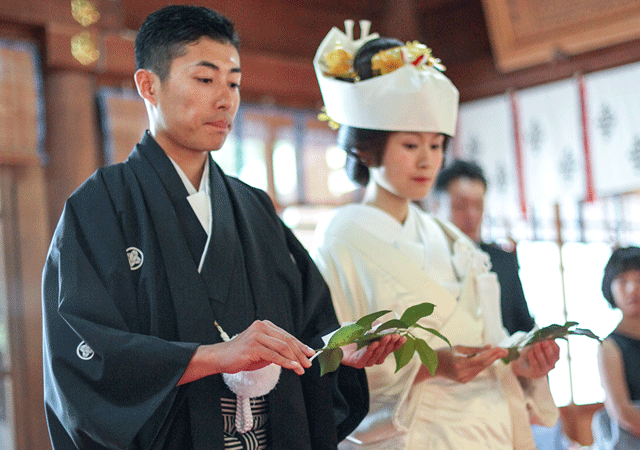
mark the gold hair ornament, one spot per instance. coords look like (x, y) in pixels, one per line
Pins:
(339, 63)
(324, 117)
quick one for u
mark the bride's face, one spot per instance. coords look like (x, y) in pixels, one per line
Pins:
(410, 164)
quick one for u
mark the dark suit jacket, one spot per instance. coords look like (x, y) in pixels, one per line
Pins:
(515, 313)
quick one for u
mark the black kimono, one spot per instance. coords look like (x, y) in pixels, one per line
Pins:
(125, 309)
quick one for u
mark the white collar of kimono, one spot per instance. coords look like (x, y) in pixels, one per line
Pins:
(386, 227)
(199, 200)
(422, 240)
(449, 258)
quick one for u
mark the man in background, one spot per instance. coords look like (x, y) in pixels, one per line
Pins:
(463, 186)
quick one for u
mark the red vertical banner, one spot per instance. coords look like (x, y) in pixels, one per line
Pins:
(517, 137)
(584, 116)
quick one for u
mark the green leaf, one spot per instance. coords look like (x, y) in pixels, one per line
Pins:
(393, 323)
(416, 312)
(367, 321)
(435, 333)
(586, 332)
(362, 333)
(514, 353)
(367, 339)
(330, 360)
(345, 335)
(404, 354)
(427, 355)
(553, 331)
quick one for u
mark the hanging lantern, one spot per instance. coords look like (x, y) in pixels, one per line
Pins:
(85, 12)
(84, 48)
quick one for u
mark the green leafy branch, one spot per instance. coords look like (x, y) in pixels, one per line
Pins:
(553, 331)
(363, 333)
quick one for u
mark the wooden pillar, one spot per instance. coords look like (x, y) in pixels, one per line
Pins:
(25, 240)
(33, 241)
(72, 135)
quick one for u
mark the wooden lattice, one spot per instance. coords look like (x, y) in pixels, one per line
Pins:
(124, 120)
(21, 121)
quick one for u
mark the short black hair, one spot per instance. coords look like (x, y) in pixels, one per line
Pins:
(165, 33)
(622, 259)
(459, 169)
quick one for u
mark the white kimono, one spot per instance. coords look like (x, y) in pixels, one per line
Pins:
(372, 262)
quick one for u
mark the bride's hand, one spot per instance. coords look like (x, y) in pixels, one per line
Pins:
(372, 354)
(537, 360)
(463, 364)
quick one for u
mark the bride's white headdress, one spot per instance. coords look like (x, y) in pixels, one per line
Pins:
(410, 92)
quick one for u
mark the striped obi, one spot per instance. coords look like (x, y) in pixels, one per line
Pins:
(256, 438)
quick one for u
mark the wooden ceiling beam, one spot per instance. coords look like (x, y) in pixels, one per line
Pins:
(277, 80)
(401, 20)
(480, 78)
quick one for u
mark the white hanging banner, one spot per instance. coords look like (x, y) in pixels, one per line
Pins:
(485, 135)
(552, 146)
(613, 108)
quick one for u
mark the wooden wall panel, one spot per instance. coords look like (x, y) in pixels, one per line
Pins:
(273, 27)
(124, 120)
(119, 54)
(457, 32)
(295, 32)
(529, 32)
(36, 12)
(270, 79)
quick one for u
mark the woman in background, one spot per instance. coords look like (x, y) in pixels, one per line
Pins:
(618, 425)
(396, 111)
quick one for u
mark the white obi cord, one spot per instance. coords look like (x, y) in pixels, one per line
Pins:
(249, 384)
(488, 290)
(467, 257)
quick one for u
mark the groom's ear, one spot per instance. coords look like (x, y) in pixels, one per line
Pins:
(147, 84)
